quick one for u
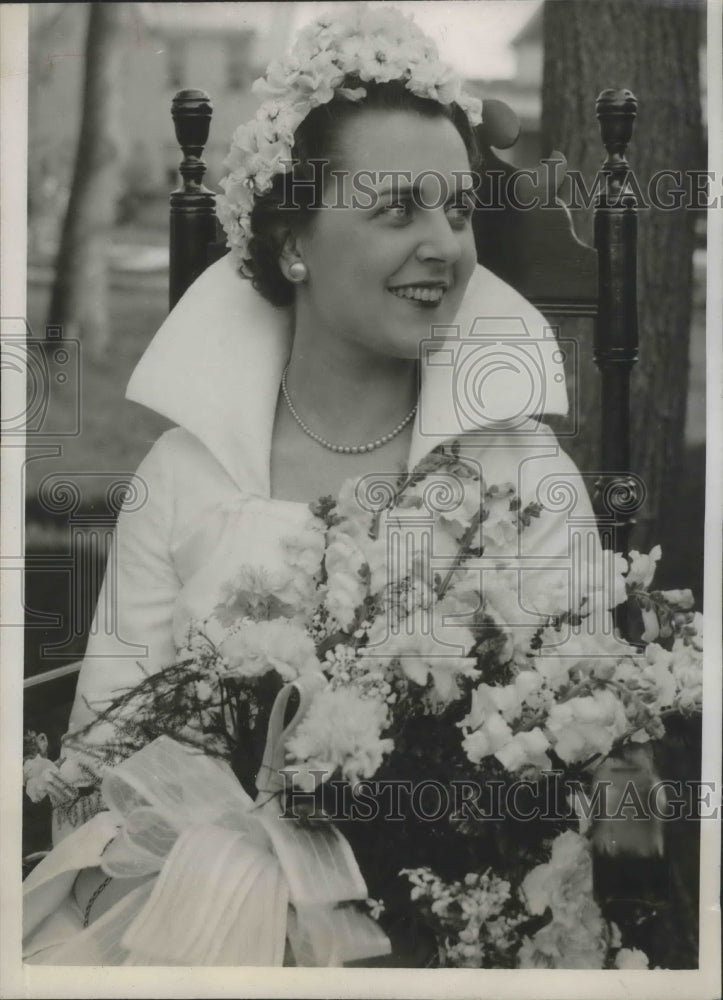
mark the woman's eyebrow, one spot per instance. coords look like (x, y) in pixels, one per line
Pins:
(403, 188)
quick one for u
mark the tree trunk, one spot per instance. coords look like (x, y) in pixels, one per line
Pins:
(80, 293)
(652, 49)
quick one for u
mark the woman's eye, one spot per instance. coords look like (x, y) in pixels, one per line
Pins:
(460, 212)
(398, 210)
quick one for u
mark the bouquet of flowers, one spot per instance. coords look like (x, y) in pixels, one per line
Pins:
(441, 735)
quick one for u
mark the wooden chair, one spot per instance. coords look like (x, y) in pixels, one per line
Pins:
(535, 251)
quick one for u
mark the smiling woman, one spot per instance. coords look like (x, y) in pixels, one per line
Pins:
(376, 278)
(347, 557)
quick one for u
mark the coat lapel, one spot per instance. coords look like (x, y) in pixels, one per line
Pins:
(215, 366)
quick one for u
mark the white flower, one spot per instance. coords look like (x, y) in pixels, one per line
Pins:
(259, 594)
(567, 945)
(681, 598)
(554, 670)
(656, 670)
(36, 772)
(587, 725)
(525, 749)
(346, 585)
(580, 654)
(376, 554)
(576, 937)
(304, 552)
(341, 731)
(527, 685)
(642, 567)
(421, 655)
(239, 192)
(472, 106)
(378, 60)
(488, 700)
(258, 647)
(499, 528)
(469, 507)
(488, 739)
(204, 691)
(356, 519)
(631, 958)
(492, 710)
(435, 81)
(693, 632)
(305, 549)
(504, 603)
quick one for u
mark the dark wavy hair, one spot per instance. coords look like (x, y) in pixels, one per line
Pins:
(316, 142)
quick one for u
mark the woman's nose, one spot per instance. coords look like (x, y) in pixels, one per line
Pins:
(440, 241)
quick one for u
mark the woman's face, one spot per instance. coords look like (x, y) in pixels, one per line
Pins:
(391, 254)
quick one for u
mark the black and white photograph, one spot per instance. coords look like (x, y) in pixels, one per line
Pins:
(361, 507)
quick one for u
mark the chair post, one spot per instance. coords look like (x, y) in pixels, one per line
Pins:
(193, 206)
(618, 493)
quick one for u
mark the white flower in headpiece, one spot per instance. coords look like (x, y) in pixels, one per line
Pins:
(472, 107)
(239, 193)
(435, 81)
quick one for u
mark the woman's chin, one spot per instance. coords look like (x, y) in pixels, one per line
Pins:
(407, 343)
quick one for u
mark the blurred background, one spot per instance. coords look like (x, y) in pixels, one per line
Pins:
(103, 159)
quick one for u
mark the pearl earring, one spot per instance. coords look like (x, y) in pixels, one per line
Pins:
(298, 272)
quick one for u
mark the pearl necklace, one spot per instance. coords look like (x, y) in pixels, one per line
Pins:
(346, 449)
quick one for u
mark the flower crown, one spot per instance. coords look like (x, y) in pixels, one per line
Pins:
(365, 45)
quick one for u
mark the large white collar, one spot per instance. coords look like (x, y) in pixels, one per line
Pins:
(215, 366)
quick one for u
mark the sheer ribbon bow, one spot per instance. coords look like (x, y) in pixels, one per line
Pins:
(232, 879)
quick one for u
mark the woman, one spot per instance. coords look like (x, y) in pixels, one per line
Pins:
(286, 385)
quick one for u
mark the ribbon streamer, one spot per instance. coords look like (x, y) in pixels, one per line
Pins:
(269, 777)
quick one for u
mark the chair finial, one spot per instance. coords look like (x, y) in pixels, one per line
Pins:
(616, 111)
(193, 205)
(191, 111)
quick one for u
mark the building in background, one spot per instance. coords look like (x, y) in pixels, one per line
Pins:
(522, 91)
(210, 46)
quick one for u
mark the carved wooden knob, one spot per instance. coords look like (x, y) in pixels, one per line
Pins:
(616, 111)
(191, 111)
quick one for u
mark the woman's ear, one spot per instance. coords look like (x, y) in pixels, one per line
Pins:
(291, 260)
